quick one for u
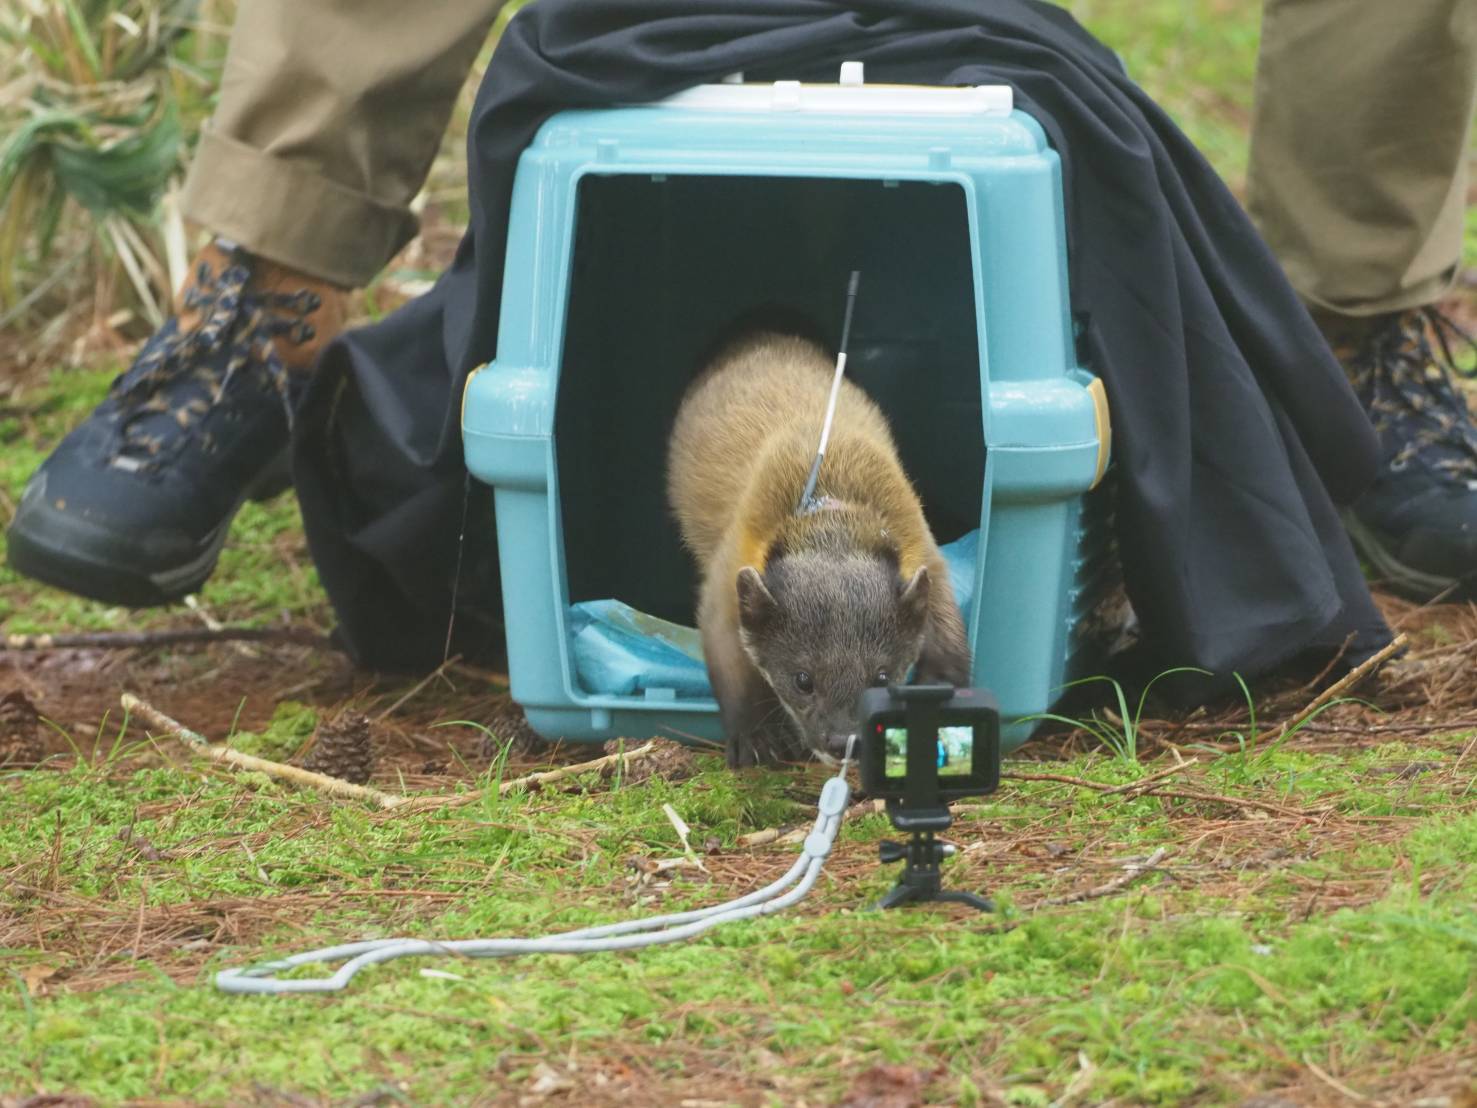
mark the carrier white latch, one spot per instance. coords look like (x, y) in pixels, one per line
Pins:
(849, 95)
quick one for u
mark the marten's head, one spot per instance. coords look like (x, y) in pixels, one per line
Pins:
(822, 626)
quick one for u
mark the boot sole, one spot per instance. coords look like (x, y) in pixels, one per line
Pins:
(43, 553)
(122, 586)
(1411, 582)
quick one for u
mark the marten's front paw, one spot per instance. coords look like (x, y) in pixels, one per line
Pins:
(765, 746)
(740, 752)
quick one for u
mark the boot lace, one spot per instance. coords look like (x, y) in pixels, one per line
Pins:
(179, 377)
(1408, 386)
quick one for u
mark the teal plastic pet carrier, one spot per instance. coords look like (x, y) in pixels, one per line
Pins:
(638, 233)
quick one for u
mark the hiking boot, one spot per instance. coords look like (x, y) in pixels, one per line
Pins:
(133, 506)
(1417, 523)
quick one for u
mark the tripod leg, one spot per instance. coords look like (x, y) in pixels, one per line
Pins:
(984, 904)
(898, 894)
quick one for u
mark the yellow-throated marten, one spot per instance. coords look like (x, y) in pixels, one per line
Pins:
(801, 611)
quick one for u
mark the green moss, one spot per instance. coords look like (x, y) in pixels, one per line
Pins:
(1169, 991)
(289, 728)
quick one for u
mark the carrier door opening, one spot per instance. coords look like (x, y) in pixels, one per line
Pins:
(663, 265)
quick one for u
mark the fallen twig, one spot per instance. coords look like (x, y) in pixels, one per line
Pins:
(1445, 726)
(1152, 779)
(1149, 786)
(334, 787)
(1301, 721)
(1333, 1082)
(192, 602)
(1133, 871)
(653, 867)
(548, 777)
(1243, 802)
(1060, 778)
(1332, 663)
(786, 836)
(1428, 727)
(762, 837)
(1344, 684)
(220, 752)
(532, 780)
(172, 636)
(1465, 751)
(684, 833)
(439, 671)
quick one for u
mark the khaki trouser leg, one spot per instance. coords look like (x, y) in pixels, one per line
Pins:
(330, 114)
(1359, 147)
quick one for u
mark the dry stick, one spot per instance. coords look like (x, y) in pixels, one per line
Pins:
(1451, 725)
(1301, 690)
(1458, 674)
(684, 833)
(1061, 778)
(193, 603)
(222, 753)
(487, 675)
(532, 780)
(1244, 802)
(1344, 684)
(797, 834)
(1151, 789)
(548, 777)
(1333, 1082)
(334, 787)
(1332, 662)
(762, 837)
(1135, 870)
(1448, 726)
(1465, 751)
(1148, 782)
(177, 636)
(439, 671)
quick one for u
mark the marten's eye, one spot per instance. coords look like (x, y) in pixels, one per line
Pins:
(804, 682)
(880, 681)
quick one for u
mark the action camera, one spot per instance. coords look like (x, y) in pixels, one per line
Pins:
(913, 733)
(923, 746)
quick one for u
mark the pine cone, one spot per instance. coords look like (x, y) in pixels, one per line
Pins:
(510, 730)
(343, 750)
(20, 731)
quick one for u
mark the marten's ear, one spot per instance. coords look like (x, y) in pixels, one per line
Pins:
(912, 605)
(757, 607)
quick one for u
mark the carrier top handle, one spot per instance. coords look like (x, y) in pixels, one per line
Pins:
(808, 500)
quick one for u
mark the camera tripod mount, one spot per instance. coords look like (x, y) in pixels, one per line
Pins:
(922, 879)
(921, 811)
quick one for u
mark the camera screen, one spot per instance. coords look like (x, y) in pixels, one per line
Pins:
(956, 751)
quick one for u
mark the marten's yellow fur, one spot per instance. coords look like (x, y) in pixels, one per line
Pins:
(847, 595)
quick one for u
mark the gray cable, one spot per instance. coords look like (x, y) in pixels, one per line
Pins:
(628, 935)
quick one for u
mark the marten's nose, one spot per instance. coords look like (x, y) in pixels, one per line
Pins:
(836, 744)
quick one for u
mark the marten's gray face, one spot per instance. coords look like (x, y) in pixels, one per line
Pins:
(822, 628)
